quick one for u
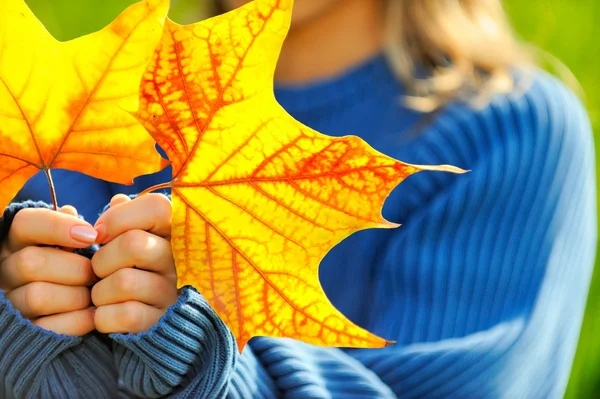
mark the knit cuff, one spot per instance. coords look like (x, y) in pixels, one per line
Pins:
(26, 349)
(190, 344)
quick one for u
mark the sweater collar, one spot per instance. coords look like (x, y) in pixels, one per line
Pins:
(372, 77)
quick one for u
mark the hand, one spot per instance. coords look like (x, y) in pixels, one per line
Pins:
(139, 280)
(49, 286)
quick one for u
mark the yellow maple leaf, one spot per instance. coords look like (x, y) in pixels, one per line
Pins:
(65, 104)
(258, 198)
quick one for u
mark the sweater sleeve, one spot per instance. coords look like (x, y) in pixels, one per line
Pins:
(36, 363)
(493, 273)
(484, 287)
(190, 353)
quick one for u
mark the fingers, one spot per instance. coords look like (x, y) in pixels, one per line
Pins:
(150, 213)
(38, 226)
(69, 210)
(137, 267)
(119, 199)
(43, 299)
(76, 323)
(135, 248)
(126, 318)
(49, 282)
(135, 285)
(35, 264)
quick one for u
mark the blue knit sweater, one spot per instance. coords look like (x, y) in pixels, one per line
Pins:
(483, 287)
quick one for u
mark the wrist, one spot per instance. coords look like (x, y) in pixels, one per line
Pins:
(190, 338)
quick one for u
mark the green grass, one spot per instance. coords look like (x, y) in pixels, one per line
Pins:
(567, 29)
(67, 19)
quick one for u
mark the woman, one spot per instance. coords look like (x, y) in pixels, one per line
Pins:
(483, 287)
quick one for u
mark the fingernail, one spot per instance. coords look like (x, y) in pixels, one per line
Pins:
(102, 233)
(84, 234)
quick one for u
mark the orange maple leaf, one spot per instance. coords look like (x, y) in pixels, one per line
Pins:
(258, 198)
(64, 104)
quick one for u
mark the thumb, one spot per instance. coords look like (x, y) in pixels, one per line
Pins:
(40, 226)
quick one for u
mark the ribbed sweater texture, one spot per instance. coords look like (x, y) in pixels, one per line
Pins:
(483, 286)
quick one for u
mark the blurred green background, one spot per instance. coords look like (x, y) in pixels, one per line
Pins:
(566, 29)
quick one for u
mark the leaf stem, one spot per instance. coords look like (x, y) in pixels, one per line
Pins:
(52, 188)
(157, 187)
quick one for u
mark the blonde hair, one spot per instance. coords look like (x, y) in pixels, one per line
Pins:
(448, 49)
(451, 49)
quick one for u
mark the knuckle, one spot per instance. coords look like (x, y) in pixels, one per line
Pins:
(102, 320)
(77, 323)
(37, 296)
(135, 243)
(126, 280)
(160, 206)
(118, 198)
(69, 209)
(29, 262)
(131, 316)
(20, 223)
